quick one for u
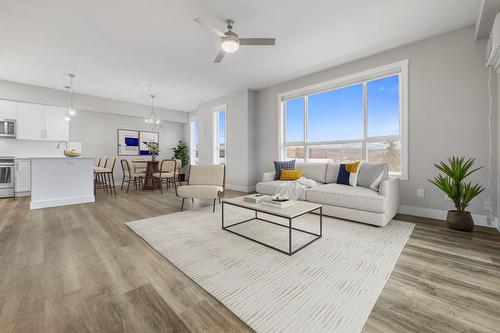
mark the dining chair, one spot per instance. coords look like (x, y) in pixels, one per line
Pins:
(166, 173)
(129, 175)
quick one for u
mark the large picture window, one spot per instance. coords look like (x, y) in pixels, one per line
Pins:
(220, 134)
(362, 117)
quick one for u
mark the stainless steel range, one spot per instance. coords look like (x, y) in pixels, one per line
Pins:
(6, 178)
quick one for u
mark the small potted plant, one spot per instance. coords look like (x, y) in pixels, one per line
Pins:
(181, 152)
(453, 184)
(154, 149)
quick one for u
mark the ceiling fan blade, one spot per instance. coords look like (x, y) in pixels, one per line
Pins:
(210, 27)
(219, 56)
(257, 41)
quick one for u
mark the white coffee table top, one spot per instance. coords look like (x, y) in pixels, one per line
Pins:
(298, 208)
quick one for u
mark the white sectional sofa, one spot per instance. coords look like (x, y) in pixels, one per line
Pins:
(354, 203)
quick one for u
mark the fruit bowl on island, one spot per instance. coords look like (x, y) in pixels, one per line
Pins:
(71, 153)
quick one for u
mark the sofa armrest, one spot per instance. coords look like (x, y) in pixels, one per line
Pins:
(268, 176)
(389, 188)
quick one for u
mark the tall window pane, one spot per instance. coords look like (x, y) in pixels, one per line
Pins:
(336, 115)
(195, 128)
(383, 106)
(294, 126)
(222, 137)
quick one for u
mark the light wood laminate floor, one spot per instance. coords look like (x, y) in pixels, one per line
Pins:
(80, 269)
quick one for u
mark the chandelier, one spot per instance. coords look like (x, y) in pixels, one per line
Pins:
(71, 111)
(152, 122)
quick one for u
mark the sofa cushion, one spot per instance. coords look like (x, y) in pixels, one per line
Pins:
(332, 172)
(372, 173)
(270, 188)
(313, 170)
(347, 196)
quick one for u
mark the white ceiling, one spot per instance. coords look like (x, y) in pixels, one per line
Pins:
(117, 48)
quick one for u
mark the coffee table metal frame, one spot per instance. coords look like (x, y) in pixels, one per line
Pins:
(289, 227)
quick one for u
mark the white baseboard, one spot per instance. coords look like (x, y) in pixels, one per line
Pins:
(241, 188)
(438, 214)
(61, 202)
(23, 194)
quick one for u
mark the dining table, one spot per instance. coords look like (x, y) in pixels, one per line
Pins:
(151, 168)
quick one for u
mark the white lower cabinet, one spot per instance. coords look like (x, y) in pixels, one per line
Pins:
(23, 176)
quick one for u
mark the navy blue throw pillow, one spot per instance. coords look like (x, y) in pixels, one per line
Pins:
(278, 166)
(343, 177)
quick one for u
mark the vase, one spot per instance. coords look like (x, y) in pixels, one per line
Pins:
(153, 157)
(460, 220)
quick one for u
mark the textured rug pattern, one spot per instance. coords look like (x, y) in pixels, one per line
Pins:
(329, 286)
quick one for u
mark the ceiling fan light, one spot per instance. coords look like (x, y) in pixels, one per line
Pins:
(72, 112)
(230, 45)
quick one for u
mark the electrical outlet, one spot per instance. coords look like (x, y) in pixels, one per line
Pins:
(489, 220)
(420, 193)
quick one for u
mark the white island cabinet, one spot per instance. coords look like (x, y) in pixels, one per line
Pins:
(59, 181)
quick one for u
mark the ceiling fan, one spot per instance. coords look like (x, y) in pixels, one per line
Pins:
(230, 41)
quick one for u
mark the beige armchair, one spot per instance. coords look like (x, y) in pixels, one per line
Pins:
(204, 182)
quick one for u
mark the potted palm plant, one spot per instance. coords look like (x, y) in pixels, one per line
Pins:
(181, 152)
(453, 184)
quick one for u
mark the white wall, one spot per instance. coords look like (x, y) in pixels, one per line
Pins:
(97, 131)
(448, 111)
(240, 133)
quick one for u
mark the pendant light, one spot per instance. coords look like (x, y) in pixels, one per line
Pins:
(152, 122)
(71, 111)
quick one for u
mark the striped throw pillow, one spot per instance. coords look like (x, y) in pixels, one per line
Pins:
(279, 165)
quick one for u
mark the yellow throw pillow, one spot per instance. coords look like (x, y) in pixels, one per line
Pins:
(290, 174)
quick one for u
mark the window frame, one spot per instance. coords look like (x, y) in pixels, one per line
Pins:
(216, 110)
(400, 68)
(192, 150)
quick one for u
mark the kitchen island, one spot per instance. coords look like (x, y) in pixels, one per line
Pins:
(59, 181)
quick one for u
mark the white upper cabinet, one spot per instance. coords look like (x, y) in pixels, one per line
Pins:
(30, 121)
(56, 128)
(41, 122)
(8, 110)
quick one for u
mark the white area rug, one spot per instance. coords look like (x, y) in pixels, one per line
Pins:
(329, 286)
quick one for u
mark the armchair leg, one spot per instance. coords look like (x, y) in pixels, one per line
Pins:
(213, 209)
(192, 201)
(182, 205)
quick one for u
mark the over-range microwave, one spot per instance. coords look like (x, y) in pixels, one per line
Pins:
(8, 128)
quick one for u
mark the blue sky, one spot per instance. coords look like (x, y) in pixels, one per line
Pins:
(338, 114)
